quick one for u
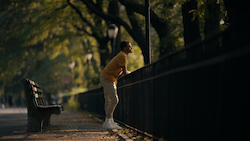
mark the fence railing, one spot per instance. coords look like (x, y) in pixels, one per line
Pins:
(197, 93)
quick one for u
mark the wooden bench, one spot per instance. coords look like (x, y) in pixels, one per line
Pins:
(39, 111)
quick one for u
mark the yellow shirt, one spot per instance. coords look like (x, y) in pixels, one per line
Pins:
(114, 67)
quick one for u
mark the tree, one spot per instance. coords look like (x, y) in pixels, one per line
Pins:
(161, 25)
(40, 38)
(96, 31)
(238, 20)
(114, 18)
(212, 20)
(190, 22)
(37, 42)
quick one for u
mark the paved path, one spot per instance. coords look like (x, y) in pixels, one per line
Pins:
(66, 126)
(12, 119)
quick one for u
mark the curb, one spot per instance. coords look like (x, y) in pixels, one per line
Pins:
(122, 136)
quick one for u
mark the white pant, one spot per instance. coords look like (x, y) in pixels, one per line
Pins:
(110, 95)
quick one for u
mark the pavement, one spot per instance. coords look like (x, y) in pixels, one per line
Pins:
(12, 119)
(66, 126)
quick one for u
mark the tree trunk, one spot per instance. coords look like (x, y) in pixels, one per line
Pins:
(160, 25)
(238, 18)
(140, 36)
(212, 23)
(101, 38)
(103, 51)
(190, 23)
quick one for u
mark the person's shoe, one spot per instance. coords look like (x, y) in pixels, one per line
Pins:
(115, 124)
(108, 125)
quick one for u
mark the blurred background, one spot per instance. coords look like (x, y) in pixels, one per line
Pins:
(63, 44)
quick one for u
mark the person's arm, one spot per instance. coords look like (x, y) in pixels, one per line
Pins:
(125, 71)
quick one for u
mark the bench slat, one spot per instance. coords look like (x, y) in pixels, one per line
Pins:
(36, 95)
(34, 83)
(42, 102)
(37, 89)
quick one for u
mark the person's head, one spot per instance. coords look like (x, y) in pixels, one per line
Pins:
(126, 47)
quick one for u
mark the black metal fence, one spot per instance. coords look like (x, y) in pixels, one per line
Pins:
(198, 93)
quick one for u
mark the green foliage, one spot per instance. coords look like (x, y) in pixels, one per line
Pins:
(38, 40)
(73, 104)
(135, 59)
(202, 13)
(170, 12)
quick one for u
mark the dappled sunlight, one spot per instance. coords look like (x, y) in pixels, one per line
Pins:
(135, 59)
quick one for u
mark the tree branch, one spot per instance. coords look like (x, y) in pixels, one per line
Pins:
(90, 5)
(159, 24)
(84, 20)
(137, 28)
(81, 29)
(138, 8)
(79, 13)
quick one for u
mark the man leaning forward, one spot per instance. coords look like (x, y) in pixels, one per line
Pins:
(108, 78)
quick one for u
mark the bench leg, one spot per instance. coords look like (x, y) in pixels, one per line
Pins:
(46, 122)
(34, 124)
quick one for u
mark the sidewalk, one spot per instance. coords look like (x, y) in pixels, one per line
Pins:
(66, 126)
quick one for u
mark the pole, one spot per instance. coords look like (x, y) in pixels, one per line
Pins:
(112, 47)
(148, 43)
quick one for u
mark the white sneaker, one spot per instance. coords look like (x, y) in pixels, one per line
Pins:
(115, 124)
(108, 125)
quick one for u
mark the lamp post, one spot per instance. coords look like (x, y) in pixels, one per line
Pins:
(89, 56)
(112, 33)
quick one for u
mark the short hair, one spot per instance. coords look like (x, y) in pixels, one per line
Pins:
(123, 44)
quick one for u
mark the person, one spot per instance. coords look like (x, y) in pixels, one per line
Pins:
(108, 78)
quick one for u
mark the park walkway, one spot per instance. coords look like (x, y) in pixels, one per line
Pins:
(66, 126)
